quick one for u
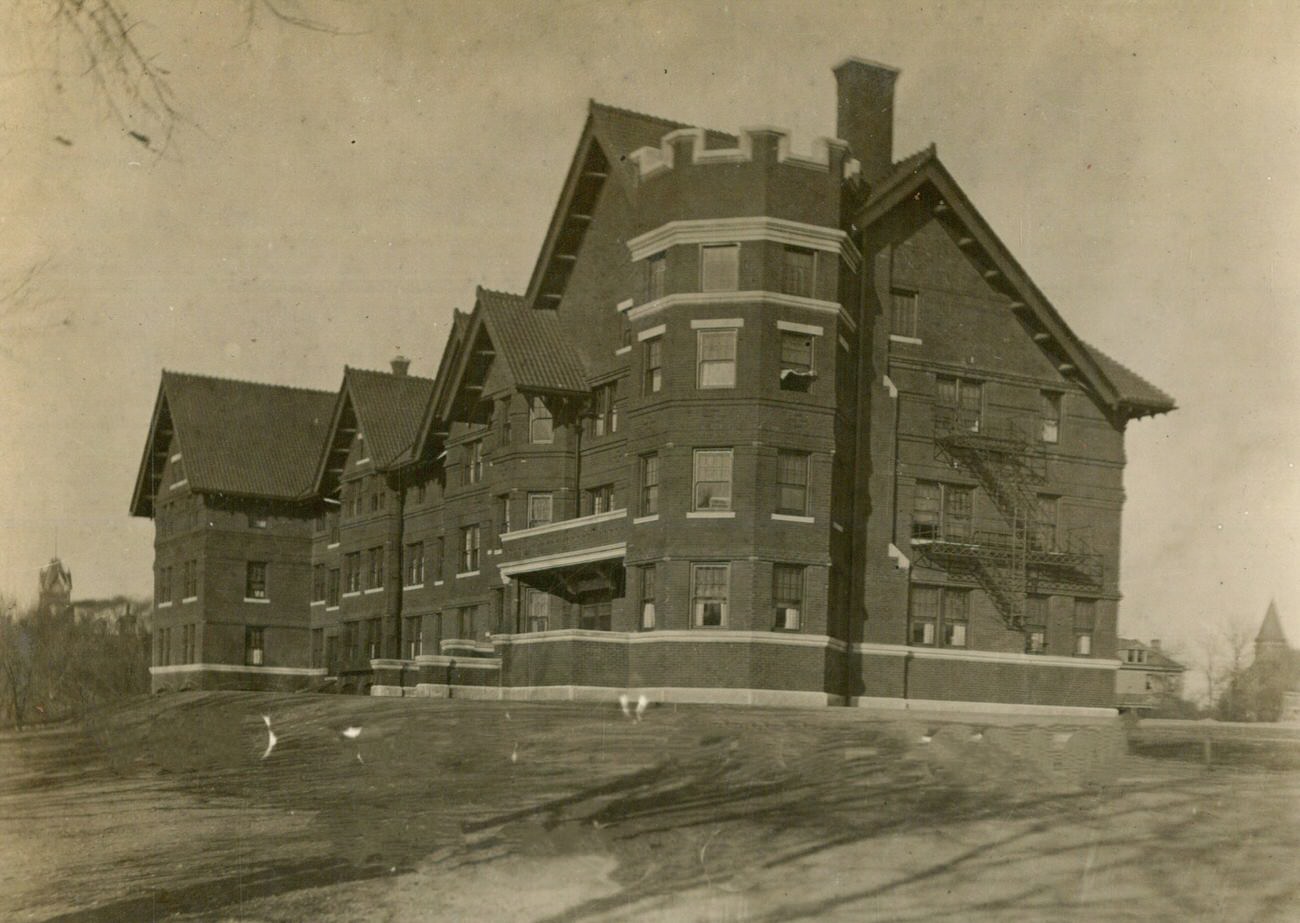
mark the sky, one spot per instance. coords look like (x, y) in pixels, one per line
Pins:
(329, 197)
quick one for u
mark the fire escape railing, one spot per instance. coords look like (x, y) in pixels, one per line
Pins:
(1018, 554)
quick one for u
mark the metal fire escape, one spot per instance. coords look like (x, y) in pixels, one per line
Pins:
(1018, 554)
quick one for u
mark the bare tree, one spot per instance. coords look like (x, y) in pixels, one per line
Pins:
(1224, 655)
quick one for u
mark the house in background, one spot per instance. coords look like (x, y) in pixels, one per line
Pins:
(54, 589)
(1148, 678)
(764, 427)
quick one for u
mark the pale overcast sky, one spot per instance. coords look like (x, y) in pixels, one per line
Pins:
(329, 199)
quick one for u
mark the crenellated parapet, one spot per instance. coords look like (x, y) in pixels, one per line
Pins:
(688, 146)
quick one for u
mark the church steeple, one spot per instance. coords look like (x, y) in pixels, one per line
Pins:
(1271, 639)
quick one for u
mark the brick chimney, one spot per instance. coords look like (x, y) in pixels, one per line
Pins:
(400, 365)
(865, 113)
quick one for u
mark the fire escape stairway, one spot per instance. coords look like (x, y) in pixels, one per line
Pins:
(1021, 554)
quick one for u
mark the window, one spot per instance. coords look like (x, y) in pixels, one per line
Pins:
(255, 582)
(472, 471)
(1045, 525)
(178, 471)
(318, 524)
(796, 360)
(317, 647)
(712, 479)
(469, 549)
(604, 411)
(259, 521)
(413, 562)
(333, 528)
(421, 493)
(539, 510)
(716, 365)
(352, 572)
(439, 555)
(377, 495)
(647, 596)
(541, 428)
(499, 608)
(792, 483)
(656, 276)
(373, 629)
(720, 268)
(956, 616)
(537, 609)
(164, 584)
(254, 646)
(1051, 431)
(923, 615)
(709, 587)
(1036, 625)
(503, 514)
(374, 568)
(351, 639)
(595, 615)
(903, 313)
(798, 272)
(941, 512)
(1085, 623)
(188, 644)
(190, 573)
(649, 505)
(938, 612)
(332, 588)
(331, 654)
(466, 616)
(318, 578)
(653, 359)
(962, 401)
(600, 499)
(503, 414)
(414, 637)
(787, 597)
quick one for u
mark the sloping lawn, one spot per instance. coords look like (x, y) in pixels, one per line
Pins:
(428, 810)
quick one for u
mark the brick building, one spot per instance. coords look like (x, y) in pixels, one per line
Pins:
(764, 427)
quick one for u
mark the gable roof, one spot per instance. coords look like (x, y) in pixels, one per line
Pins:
(387, 408)
(1122, 391)
(609, 135)
(1155, 656)
(237, 437)
(536, 354)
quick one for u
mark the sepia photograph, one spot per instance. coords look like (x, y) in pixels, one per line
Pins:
(649, 460)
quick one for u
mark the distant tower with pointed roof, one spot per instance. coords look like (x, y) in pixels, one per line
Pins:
(55, 588)
(1271, 641)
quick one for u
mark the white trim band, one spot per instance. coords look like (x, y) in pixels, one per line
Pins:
(650, 332)
(753, 296)
(234, 668)
(736, 230)
(717, 323)
(563, 559)
(787, 517)
(986, 708)
(673, 636)
(711, 514)
(1023, 660)
(564, 524)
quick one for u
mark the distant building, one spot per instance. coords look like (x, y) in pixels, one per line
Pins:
(1278, 664)
(1148, 678)
(765, 427)
(55, 589)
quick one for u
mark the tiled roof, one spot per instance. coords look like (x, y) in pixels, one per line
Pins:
(532, 344)
(622, 131)
(1132, 387)
(389, 409)
(245, 438)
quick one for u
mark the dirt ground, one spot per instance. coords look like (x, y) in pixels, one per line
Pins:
(173, 809)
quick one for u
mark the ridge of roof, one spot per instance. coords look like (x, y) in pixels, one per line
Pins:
(172, 373)
(593, 104)
(535, 350)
